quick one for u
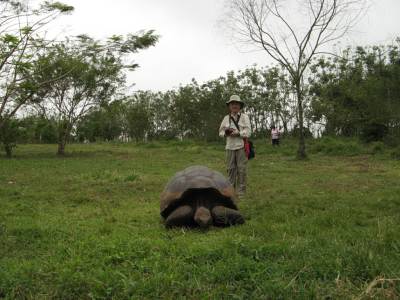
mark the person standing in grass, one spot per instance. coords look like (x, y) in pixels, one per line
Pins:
(234, 127)
(275, 135)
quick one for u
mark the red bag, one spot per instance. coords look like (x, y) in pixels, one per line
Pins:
(249, 148)
(246, 147)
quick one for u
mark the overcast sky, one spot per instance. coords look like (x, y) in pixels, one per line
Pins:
(193, 43)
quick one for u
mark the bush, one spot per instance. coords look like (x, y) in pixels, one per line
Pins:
(9, 135)
(396, 153)
(392, 140)
(295, 132)
(336, 146)
(374, 132)
(377, 147)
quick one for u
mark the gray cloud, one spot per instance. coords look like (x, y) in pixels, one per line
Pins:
(192, 43)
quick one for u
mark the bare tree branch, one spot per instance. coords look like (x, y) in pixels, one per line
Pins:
(271, 25)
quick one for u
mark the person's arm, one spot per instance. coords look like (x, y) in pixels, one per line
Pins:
(222, 128)
(245, 130)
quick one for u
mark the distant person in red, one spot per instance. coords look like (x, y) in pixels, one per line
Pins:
(275, 134)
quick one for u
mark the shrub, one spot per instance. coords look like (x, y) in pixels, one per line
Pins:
(374, 132)
(396, 153)
(377, 147)
(9, 134)
(392, 140)
(336, 146)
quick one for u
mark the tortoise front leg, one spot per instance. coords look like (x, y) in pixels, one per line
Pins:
(224, 216)
(181, 216)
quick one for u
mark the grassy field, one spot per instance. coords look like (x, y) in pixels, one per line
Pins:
(87, 226)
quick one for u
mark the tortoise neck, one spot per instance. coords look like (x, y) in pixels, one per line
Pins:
(201, 199)
(206, 198)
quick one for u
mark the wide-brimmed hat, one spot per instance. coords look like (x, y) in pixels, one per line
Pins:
(235, 98)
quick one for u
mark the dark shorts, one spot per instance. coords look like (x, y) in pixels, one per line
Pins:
(275, 141)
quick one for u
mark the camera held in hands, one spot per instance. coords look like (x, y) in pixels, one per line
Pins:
(228, 131)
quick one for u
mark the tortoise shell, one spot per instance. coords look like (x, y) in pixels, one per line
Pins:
(196, 178)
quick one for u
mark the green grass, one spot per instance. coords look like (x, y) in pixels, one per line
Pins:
(87, 226)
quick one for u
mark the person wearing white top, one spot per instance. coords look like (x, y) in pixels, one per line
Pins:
(275, 134)
(234, 127)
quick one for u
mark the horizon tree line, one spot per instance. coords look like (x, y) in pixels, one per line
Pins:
(75, 88)
(355, 94)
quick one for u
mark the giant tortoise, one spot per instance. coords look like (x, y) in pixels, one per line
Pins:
(199, 196)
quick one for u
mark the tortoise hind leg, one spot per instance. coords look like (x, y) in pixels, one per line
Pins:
(182, 216)
(224, 216)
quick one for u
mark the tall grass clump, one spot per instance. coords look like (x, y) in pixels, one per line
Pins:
(396, 153)
(336, 146)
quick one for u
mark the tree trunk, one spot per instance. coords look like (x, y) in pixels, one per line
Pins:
(8, 149)
(64, 130)
(301, 151)
(285, 124)
(61, 147)
(62, 139)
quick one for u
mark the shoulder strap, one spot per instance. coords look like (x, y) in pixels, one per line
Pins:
(235, 122)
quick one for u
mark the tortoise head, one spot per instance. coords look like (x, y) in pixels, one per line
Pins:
(203, 217)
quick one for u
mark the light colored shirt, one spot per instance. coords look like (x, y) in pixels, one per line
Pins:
(235, 142)
(275, 134)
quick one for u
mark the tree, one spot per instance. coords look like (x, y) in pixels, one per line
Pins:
(212, 97)
(9, 134)
(21, 41)
(270, 24)
(181, 112)
(94, 72)
(138, 118)
(185, 112)
(37, 129)
(160, 112)
(104, 123)
(358, 94)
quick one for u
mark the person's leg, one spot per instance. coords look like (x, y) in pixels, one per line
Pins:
(241, 161)
(231, 166)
